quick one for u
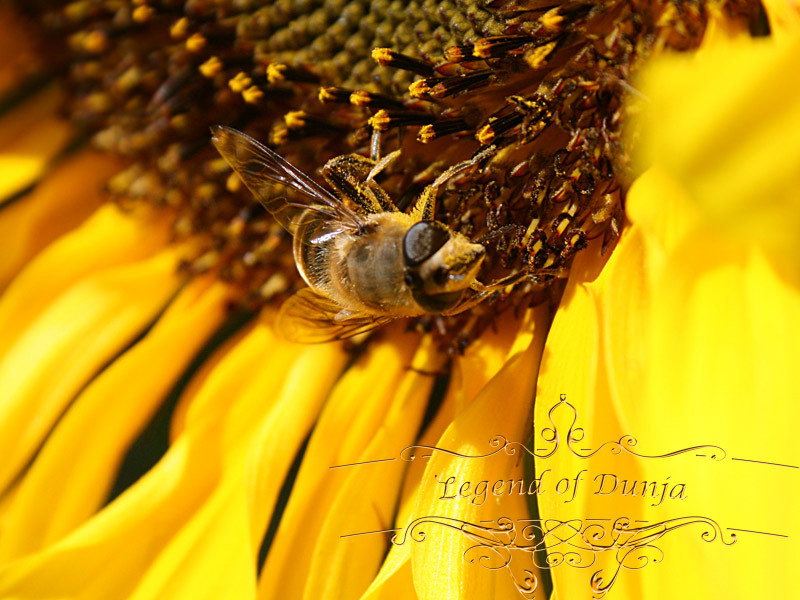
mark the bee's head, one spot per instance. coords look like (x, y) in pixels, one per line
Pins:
(440, 264)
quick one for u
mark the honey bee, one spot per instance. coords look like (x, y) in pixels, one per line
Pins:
(364, 265)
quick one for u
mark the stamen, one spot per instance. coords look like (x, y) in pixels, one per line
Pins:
(389, 58)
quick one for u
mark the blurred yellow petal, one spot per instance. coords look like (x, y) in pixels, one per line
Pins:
(79, 461)
(743, 100)
(109, 237)
(689, 334)
(71, 191)
(784, 17)
(442, 563)
(345, 428)
(74, 337)
(30, 136)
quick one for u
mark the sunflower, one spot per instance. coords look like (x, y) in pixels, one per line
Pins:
(160, 440)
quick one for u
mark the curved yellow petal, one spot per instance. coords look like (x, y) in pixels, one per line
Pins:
(470, 372)
(79, 460)
(453, 505)
(204, 503)
(66, 345)
(109, 237)
(31, 135)
(355, 411)
(226, 531)
(366, 501)
(72, 190)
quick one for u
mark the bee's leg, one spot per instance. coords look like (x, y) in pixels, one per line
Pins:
(425, 207)
(382, 164)
(469, 303)
(498, 284)
(350, 175)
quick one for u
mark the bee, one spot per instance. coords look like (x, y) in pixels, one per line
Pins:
(364, 265)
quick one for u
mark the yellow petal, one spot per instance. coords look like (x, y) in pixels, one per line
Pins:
(71, 191)
(79, 460)
(204, 504)
(784, 17)
(470, 372)
(226, 531)
(366, 501)
(109, 237)
(30, 136)
(723, 124)
(344, 430)
(443, 563)
(65, 346)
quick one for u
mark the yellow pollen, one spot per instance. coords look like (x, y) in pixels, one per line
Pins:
(179, 28)
(275, 73)
(240, 83)
(196, 42)
(537, 57)
(295, 119)
(279, 135)
(426, 134)
(419, 88)
(96, 42)
(325, 95)
(252, 94)
(211, 67)
(142, 14)
(380, 120)
(551, 19)
(233, 184)
(359, 98)
(485, 135)
(381, 55)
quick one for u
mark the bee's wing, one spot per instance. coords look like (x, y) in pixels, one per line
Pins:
(311, 318)
(259, 166)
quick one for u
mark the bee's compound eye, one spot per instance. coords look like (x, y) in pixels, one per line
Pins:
(422, 241)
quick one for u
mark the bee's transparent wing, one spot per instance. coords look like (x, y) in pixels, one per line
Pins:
(258, 166)
(311, 318)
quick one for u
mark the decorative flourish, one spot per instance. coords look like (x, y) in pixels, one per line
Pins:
(552, 437)
(576, 543)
